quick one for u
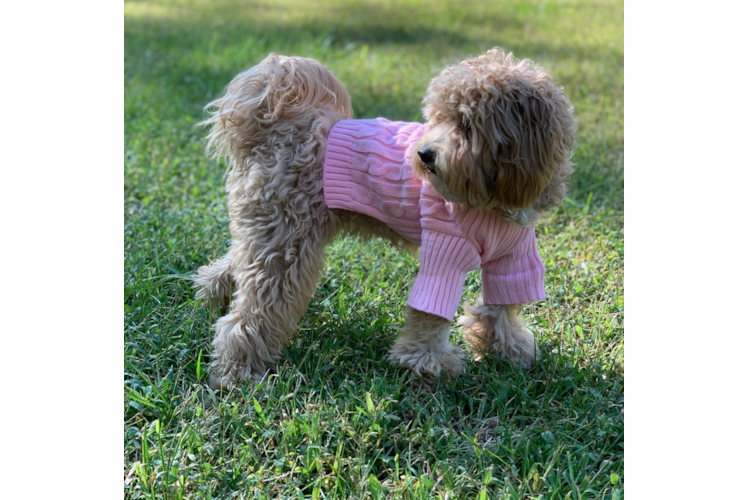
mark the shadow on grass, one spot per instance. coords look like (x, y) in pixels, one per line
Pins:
(510, 415)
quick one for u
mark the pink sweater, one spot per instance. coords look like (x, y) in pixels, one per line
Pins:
(368, 170)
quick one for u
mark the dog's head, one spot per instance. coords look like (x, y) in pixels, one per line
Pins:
(499, 136)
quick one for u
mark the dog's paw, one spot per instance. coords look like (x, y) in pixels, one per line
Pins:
(488, 329)
(245, 378)
(227, 383)
(428, 361)
(520, 348)
(218, 383)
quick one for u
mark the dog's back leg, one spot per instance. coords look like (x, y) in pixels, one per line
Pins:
(272, 127)
(274, 280)
(214, 283)
(280, 225)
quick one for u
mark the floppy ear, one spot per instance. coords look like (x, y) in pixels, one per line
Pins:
(517, 136)
(555, 191)
(560, 148)
(528, 134)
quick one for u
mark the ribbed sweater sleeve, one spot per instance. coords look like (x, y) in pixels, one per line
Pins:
(446, 258)
(516, 278)
(445, 262)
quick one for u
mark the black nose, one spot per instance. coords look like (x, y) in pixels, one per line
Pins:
(427, 155)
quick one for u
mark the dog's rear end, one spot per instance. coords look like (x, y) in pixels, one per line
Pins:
(271, 128)
(273, 97)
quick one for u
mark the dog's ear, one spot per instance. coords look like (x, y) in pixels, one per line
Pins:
(514, 136)
(523, 140)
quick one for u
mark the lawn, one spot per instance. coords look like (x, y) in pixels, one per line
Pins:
(338, 421)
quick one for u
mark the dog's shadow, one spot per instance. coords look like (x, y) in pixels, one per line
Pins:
(492, 402)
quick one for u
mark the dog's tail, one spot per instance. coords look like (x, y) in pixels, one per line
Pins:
(278, 91)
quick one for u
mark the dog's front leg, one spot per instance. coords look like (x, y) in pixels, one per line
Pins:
(499, 329)
(423, 346)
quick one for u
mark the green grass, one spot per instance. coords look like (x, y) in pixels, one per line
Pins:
(338, 421)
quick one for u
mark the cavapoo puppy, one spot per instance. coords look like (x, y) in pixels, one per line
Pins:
(467, 187)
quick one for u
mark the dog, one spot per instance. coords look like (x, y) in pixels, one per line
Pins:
(467, 187)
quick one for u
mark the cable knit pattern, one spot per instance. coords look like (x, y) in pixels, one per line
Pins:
(368, 170)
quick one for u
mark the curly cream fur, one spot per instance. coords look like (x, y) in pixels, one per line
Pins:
(214, 283)
(423, 346)
(499, 329)
(503, 133)
(511, 133)
(271, 126)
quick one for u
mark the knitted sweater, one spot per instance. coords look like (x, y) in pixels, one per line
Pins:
(368, 170)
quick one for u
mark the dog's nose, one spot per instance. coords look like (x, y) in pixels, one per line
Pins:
(427, 155)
